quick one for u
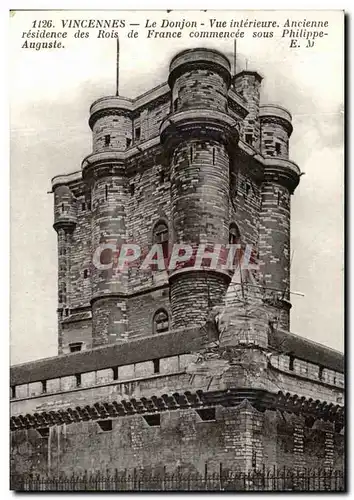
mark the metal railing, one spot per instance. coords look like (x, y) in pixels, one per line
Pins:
(276, 479)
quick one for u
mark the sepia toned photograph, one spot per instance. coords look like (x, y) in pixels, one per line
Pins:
(177, 251)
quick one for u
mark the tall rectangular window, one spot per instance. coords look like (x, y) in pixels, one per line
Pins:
(137, 133)
(277, 148)
(156, 365)
(249, 139)
(107, 140)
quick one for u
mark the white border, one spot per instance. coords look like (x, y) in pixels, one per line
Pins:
(4, 149)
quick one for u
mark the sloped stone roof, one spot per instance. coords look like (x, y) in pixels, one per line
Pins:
(307, 350)
(164, 345)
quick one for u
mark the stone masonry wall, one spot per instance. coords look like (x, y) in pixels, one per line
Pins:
(248, 85)
(115, 129)
(236, 438)
(274, 242)
(273, 134)
(200, 88)
(80, 257)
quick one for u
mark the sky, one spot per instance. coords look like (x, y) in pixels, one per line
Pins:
(50, 95)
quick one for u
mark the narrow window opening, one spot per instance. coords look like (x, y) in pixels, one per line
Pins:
(137, 133)
(44, 432)
(44, 386)
(106, 192)
(213, 156)
(75, 347)
(277, 148)
(66, 312)
(132, 189)
(279, 198)
(83, 206)
(107, 140)
(291, 363)
(85, 273)
(115, 372)
(248, 187)
(320, 372)
(78, 380)
(206, 414)
(191, 153)
(62, 207)
(153, 420)
(128, 142)
(162, 176)
(13, 391)
(105, 425)
(88, 205)
(234, 234)
(156, 365)
(160, 235)
(175, 105)
(249, 139)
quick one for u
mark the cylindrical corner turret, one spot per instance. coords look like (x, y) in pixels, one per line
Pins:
(64, 208)
(199, 137)
(199, 78)
(281, 177)
(105, 175)
(111, 124)
(248, 85)
(276, 129)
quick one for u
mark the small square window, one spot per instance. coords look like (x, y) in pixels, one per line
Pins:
(86, 273)
(105, 425)
(153, 420)
(44, 432)
(206, 414)
(75, 346)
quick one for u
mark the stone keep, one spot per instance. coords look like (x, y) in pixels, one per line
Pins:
(196, 160)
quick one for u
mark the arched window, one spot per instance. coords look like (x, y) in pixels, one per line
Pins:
(234, 234)
(161, 236)
(160, 321)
